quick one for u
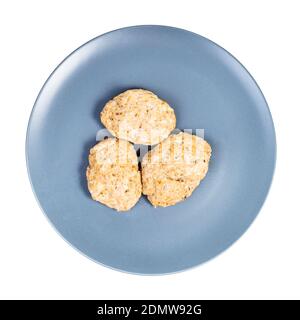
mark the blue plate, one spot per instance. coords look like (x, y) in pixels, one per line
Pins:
(209, 89)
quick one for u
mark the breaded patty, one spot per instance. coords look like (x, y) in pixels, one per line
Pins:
(138, 116)
(174, 168)
(113, 175)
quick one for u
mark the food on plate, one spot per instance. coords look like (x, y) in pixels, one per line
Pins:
(113, 175)
(138, 116)
(174, 168)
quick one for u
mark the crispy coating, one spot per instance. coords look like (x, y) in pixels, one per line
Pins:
(174, 168)
(138, 116)
(113, 176)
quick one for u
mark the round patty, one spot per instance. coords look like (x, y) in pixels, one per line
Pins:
(138, 116)
(113, 175)
(174, 168)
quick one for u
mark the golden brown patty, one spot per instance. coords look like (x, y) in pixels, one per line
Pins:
(174, 168)
(113, 176)
(138, 116)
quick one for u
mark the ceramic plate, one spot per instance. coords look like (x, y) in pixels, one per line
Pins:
(210, 90)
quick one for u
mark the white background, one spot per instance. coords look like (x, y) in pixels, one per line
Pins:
(35, 262)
